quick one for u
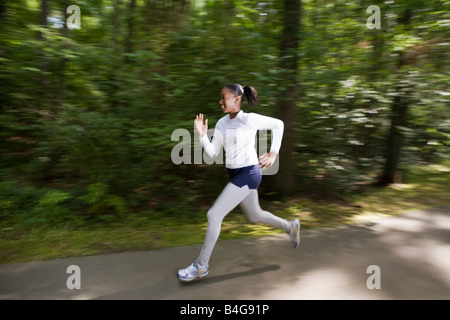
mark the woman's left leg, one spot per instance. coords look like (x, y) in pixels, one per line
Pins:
(229, 198)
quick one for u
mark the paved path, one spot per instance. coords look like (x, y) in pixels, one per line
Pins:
(412, 252)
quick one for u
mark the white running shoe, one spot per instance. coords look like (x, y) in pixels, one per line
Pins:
(192, 272)
(294, 233)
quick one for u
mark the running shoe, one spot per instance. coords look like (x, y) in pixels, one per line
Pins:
(192, 272)
(294, 233)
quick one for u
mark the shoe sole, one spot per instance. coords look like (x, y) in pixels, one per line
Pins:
(189, 280)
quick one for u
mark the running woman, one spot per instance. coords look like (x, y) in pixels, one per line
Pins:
(236, 133)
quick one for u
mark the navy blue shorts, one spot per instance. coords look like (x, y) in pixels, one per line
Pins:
(250, 176)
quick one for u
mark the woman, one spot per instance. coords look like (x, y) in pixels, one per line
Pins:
(236, 133)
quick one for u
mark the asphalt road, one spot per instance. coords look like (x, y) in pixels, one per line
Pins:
(411, 253)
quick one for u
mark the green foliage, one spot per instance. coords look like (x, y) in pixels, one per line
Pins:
(50, 208)
(101, 202)
(28, 205)
(14, 200)
(87, 115)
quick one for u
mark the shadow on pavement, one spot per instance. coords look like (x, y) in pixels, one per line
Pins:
(167, 287)
(215, 279)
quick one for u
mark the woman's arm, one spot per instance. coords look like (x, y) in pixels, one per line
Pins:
(261, 122)
(211, 148)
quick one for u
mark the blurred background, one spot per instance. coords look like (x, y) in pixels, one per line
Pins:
(87, 114)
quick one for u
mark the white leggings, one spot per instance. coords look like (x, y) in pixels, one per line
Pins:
(230, 197)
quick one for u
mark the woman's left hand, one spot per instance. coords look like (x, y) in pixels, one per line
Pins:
(267, 160)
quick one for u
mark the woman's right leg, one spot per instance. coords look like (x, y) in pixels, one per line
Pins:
(250, 206)
(230, 197)
(252, 209)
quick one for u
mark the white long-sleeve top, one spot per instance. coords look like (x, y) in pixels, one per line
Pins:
(237, 136)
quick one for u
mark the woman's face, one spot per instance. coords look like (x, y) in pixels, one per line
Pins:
(229, 102)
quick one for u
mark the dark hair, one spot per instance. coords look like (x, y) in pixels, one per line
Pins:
(249, 93)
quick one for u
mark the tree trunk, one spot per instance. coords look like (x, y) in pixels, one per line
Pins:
(43, 80)
(2, 9)
(116, 26)
(3, 97)
(112, 73)
(395, 141)
(130, 26)
(286, 102)
(399, 113)
(44, 13)
(63, 61)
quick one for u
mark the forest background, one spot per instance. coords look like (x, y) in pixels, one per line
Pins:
(87, 115)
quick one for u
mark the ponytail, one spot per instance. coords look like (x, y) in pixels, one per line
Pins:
(251, 95)
(247, 92)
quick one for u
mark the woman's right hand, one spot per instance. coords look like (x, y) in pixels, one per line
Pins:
(199, 126)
